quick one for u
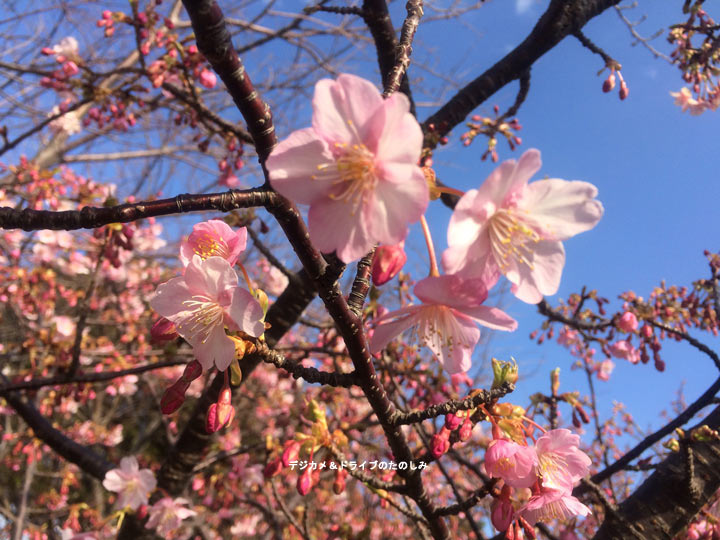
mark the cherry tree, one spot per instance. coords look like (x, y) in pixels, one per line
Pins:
(210, 327)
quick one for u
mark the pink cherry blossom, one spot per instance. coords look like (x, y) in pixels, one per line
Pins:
(207, 78)
(512, 462)
(552, 504)
(446, 320)
(214, 238)
(686, 102)
(356, 167)
(131, 483)
(205, 300)
(628, 322)
(510, 227)
(605, 369)
(624, 349)
(167, 514)
(560, 462)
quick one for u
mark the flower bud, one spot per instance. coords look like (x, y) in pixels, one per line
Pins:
(388, 261)
(440, 443)
(272, 468)
(555, 381)
(504, 372)
(207, 78)
(221, 413)
(627, 322)
(623, 91)
(339, 483)
(502, 514)
(192, 371)
(452, 421)
(466, 430)
(163, 331)
(304, 482)
(173, 397)
(291, 452)
(609, 83)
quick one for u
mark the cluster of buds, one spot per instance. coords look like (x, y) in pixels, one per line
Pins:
(459, 424)
(66, 54)
(174, 396)
(119, 237)
(491, 127)
(108, 20)
(116, 114)
(232, 162)
(609, 83)
(699, 62)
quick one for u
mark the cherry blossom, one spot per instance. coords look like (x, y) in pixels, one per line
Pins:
(512, 462)
(551, 504)
(167, 514)
(446, 320)
(686, 102)
(627, 322)
(559, 460)
(356, 167)
(202, 303)
(214, 238)
(625, 350)
(131, 483)
(510, 227)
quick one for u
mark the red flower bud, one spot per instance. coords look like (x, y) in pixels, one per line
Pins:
(173, 397)
(339, 483)
(163, 331)
(440, 443)
(452, 421)
(609, 83)
(623, 91)
(192, 371)
(221, 413)
(466, 430)
(304, 482)
(272, 468)
(291, 452)
(388, 261)
(502, 514)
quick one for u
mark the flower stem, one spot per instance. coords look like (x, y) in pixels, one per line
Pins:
(450, 191)
(245, 275)
(434, 272)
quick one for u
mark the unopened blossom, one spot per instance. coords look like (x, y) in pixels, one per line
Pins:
(625, 350)
(205, 300)
(605, 369)
(510, 227)
(627, 322)
(551, 504)
(357, 168)
(388, 261)
(207, 78)
(686, 102)
(130, 482)
(446, 321)
(513, 462)
(167, 514)
(560, 462)
(68, 47)
(214, 238)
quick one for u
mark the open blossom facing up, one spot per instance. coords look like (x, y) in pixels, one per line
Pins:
(513, 462)
(357, 168)
(686, 102)
(560, 461)
(446, 321)
(214, 238)
(205, 300)
(131, 483)
(167, 514)
(510, 227)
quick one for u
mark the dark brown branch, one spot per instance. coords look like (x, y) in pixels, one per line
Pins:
(404, 49)
(361, 284)
(91, 217)
(308, 374)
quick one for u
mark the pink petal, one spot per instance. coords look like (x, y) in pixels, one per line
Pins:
(342, 108)
(113, 481)
(451, 290)
(129, 465)
(507, 181)
(210, 277)
(465, 223)
(391, 325)
(400, 136)
(217, 349)
(396, 203)
(491, 317)
(295, 162)
(334, 227)
(169, 297)
(543, 279)
(246, 312)
(452, 339)
(562, 209)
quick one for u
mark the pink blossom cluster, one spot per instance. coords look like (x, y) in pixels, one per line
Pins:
(207, 298)
(550, 467)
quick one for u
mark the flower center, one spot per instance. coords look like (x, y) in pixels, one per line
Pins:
(205, 315)
(207, 245)
(511, 239)
(438, 326)
(356, 174)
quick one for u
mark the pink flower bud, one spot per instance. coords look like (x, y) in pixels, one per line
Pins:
(304, 482)
(107, 14)
(291, 452)
(192, 371)
(70, 69)
(609, 83)
(628, 322)
(440, 443)
(273, 468)
(207, 78)
(218, 416)
(339, 483)
(388, 261)
(647, 331)
(623, 91)
(173, 397)
(466, 430)
(47, 51)
(502, 514)
(452, 421)
(163, 331)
